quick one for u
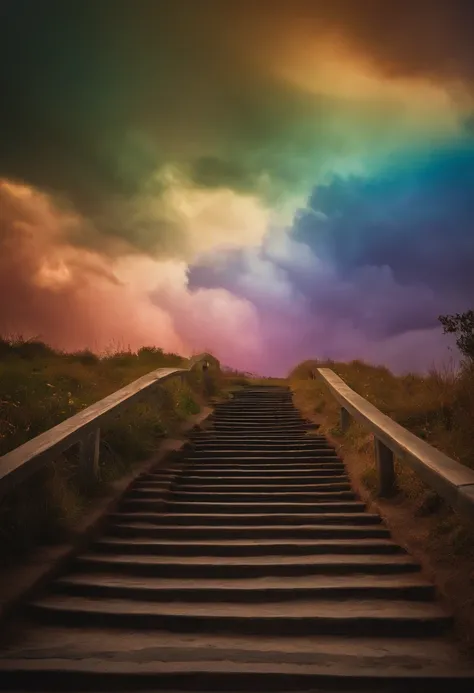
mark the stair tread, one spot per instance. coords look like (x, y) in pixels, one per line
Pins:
(238, 497)
(268, 493)
(369, 543)
(76, 649)
(287, 484)
(351, 561)
(346, 609)
(261, 516)
(211, 435)
(261, 536)
(257, 489)
(185, 478)
(300, 505)
(266, 460)
(137, 524)
(253, 673)
(254, 583)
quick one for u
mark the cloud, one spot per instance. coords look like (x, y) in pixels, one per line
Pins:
(74, 298)
(70, 297)
(366, 267)
(170, 217)
(185, 132)
(414, 216)
(100, 98)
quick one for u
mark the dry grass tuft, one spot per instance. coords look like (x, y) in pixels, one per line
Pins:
(39, 388)
(439, 408)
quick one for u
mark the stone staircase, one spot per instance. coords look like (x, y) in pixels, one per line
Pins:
(260, 570)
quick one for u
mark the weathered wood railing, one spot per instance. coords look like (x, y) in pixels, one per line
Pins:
(451, 480)
(84, 428)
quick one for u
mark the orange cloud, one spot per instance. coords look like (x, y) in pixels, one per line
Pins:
(68, 296)
(75, 298)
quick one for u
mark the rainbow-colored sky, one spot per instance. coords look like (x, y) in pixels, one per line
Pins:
(270, 181)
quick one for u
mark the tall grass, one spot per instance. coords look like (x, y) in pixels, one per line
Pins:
(39, 388)
(437, 407)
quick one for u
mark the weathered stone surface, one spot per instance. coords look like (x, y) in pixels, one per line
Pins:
(249, 565)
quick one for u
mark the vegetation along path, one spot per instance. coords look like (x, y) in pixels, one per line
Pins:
(248, 563)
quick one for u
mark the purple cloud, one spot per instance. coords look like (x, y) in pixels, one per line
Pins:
(366, 268)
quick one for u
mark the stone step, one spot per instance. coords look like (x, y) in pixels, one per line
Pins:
(264, 405)
(224, 453)
(352, 618)
(409, 586)
(246, 567)
(273, 439)
(255, 408)
(332, 470)
(270, 391)
(249, 412)
(284, 468)
(268, 482)
(257, 435)
(225, 464)
(245, 457)
(251, 423)
(245, 547)
(242, 497)
(252, 530)
(196, 477)
(260, 433)
(272, 397)
(139, 503)
(259, 489)
(66, 659)
(211, 435)
(251, 458)
(259, 445)
(250, 518)
(255, 404)
(262, 416)
(252, 415)
(285, 471)
(261, 429)
(131, 526)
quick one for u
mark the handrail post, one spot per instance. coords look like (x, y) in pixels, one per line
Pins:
(89, 458)
(345, 420)
(207, 379)
(385, 469)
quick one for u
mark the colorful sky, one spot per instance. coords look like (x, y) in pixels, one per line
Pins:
(269, 181)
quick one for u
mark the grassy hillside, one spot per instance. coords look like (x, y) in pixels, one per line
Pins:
(439, 408)
(40, 387)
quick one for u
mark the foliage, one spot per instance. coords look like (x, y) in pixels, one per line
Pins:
(40, 387)
(461, 325)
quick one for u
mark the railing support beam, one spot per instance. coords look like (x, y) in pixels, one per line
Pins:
(452, 481)
(89, 458)
(385, 469)
(345, 420)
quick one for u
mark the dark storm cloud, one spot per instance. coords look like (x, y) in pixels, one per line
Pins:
(383, 255)
(416, 217)
(78, 77)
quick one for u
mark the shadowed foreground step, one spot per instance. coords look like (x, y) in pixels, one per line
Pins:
(257, 569)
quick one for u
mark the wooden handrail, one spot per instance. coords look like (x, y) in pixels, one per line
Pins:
(451, 480)
(83, 428)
